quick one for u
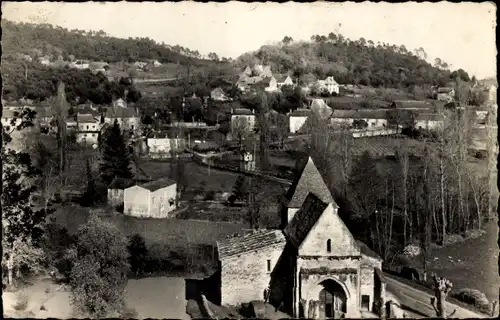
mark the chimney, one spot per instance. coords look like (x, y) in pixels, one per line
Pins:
(253, 110)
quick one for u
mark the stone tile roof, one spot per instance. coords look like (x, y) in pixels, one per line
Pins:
(301, 113)
(121, 183)
(256, 240)
(367, 251)
(242, 111)
(310, 181)
(359, 114)
(304, 219)
(158, 184)
(86, 118)
(118, 112)
(411, 104)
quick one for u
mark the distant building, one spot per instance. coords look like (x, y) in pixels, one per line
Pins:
(242, 117)
(155, 199)
(297, 119)
(416, 105)
(162, 145)
(429, 121)
(88, 129)
(156, 63)
(116, 190)
(271, 85)
(446, 94)
(287, 82)
(127, 117)
(219, 95)
(329, 85)
(375, 119)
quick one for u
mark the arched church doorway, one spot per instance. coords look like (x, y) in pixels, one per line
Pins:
(332, 300)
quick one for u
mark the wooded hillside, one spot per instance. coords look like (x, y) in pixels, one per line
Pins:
(47, 40)
(353, 62)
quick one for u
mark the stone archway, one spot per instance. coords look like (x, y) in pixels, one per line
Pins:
(328, 300)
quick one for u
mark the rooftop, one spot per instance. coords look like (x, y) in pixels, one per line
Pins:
(121, 183)
(360, 114)
(255, 240)
(301, 113)
(242, 111)
(310, 181)
(89, 118)
(158, 184)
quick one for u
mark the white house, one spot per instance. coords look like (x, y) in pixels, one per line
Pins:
(271, 84)
(160, 145)
(155, 199)
(88, 128)
(429, 121)
(242, 117)
(329, 85)
(446, 94)
(218, 95)
(297, 119)
(374, 119)
(127, 117)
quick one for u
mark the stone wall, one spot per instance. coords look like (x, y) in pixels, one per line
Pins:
(244, 278)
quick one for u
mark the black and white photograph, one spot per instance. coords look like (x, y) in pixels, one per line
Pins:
(237, 160)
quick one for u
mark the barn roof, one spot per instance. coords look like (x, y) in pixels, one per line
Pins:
(310, 181)
(359, 114)
(158, 184)
(256, 240)
(242, 111)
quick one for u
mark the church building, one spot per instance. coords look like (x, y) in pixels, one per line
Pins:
(312, 267)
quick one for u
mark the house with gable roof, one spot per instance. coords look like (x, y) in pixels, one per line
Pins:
(312, 267)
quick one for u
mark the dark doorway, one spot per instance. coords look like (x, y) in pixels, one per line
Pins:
(332, 300)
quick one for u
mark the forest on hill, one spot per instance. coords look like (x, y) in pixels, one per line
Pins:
(47, 40)
(360, 61)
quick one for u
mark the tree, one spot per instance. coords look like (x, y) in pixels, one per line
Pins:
(239, 188)
(442, 288)
(60, 108)
(115, 156)
(240, 129)
(287, 40)
(100, 267)
(91, 196)
(22, 223)
(138, 254)
(264, 132)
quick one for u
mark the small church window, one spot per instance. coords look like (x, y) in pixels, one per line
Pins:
(268, 265)
(329, 245)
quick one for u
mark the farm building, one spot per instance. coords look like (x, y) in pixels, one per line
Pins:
(428, 121)
(162, 145)
(313, 267)
(155, 199)
(372, 119)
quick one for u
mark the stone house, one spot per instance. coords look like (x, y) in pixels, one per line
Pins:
(88, 128)
(154, 199)
(313, 266)
(329, 85)
(116, 190)
(218, 95)
(445, 94)
(271, 85)
(128, 117)
(161, 145)
(297, 119)
(375, 119)
(428, 121)
(242, 117)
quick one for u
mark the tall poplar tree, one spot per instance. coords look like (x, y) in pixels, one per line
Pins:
(115, 156)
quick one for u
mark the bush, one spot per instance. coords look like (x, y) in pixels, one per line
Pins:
(210, 195)
(129, 313)
(119, 208)
(473, 297)
(21, 301)
(138, 254)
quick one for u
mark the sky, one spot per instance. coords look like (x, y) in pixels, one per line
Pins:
(462, 34)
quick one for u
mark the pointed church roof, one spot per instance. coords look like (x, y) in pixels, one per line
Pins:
(304, 219)
(310, 181)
